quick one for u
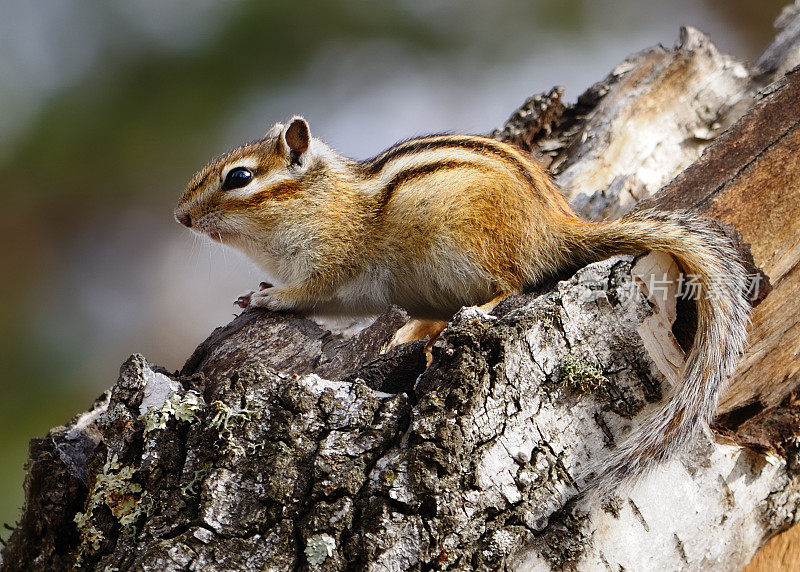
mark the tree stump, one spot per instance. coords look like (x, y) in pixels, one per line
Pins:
(281, 445)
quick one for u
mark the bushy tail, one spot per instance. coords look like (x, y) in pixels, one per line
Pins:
(722, 319)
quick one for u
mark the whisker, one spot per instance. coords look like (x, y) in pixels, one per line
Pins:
(224, 253)
(194, 252)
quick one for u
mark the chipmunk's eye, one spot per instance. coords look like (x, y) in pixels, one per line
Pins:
(237, 178)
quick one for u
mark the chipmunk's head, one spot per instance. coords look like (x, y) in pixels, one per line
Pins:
(237, 197)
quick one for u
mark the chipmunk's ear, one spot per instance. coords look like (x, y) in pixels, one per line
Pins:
(296, 137)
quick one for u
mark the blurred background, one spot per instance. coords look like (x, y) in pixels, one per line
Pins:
(108, 107)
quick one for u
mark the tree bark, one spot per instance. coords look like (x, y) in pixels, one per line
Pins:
(283, 446)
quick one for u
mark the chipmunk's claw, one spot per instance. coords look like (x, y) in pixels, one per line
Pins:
(243, 301)
(246, 300)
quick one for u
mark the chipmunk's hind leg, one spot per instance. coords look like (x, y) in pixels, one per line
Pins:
(492, 304)
(416, 329)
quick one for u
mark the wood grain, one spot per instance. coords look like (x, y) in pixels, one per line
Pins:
(750, 177)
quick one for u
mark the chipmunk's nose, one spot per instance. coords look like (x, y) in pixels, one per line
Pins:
(184, 219)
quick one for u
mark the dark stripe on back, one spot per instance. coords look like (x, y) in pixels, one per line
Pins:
(374, 166)
(407, 175)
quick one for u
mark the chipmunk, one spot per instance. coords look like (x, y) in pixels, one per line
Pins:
(444, 221)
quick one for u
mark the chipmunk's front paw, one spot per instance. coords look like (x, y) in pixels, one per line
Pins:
(246, 300)
(268, 297)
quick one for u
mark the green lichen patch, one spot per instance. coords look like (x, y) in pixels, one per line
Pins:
(579, 375)
(319, 548)
(225, 416)
(115, 488)
(181, 407)
(191, 488)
